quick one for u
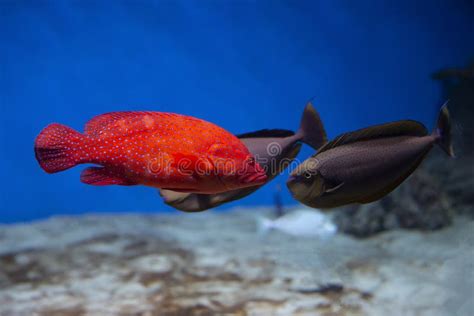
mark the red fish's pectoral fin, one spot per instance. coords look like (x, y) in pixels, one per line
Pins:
(101, 176)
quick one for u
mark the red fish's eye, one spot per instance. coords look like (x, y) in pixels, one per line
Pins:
(251, 161)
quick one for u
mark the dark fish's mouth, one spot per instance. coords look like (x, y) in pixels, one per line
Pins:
(290, 179)
(298, 190)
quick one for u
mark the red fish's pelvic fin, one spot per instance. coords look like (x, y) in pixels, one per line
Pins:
(311, 128)
(101, 176)
(442, 131)
(56, 148)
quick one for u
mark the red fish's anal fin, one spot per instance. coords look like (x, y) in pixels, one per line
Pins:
(101, 176)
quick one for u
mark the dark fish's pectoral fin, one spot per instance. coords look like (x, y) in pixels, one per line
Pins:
(334, 188)
(102, 176)
(392, 186)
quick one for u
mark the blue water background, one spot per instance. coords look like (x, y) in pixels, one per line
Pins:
(244, 65)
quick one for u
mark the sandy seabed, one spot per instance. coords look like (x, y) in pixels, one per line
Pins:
(215, 263)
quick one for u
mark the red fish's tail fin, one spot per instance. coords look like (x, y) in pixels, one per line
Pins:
(311, 128)
(442, 131)
(56, 148)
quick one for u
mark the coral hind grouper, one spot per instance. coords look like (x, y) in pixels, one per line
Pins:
(162, 150)
(365, 165)
(273, 149)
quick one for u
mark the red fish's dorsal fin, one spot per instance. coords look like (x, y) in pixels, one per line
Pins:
(399, 128)
(122, 122)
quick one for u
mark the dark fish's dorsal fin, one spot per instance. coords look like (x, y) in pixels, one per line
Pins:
(267, 133)
(399, 128)
(101, 123)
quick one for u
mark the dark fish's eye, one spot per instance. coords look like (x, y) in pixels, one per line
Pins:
(307, 175)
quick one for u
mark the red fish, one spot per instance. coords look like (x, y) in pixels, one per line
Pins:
(162, 150)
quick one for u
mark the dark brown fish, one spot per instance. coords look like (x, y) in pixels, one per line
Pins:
(365, 165)
(274, 150)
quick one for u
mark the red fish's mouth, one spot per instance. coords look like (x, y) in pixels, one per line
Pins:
(255, 179)
(253, 174)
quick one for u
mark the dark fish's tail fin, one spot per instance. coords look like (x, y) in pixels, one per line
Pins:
(442, 131)
(311, 128)
(56, 148)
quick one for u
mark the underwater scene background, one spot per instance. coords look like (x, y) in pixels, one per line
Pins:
(67, 248)
(242, 65)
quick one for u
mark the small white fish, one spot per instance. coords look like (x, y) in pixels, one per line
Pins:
(301, 222)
